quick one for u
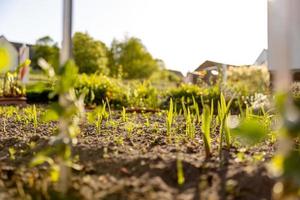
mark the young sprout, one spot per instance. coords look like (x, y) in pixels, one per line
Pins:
(34, 117)
(183, 107)
(196, 108)
(119, 140)
(129, 128)
(12, 153)
(124, 117)
(190, 126)
(169, 119)
(4, 124)
(147, 123)
(96, 117)
(108, 106)
(207, 116)
(180, 173)
(223, 110)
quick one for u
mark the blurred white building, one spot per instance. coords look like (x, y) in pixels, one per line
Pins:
(16, 53)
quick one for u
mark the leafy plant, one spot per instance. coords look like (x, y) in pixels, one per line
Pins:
(68, 112)
(98, 88)
(250, 131)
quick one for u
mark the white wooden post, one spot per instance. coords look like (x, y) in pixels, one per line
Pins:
(65, 55)
(284, 58)
(224, 70)
(283, 40)
(66, 50)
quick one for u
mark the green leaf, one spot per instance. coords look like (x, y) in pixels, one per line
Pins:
(250, 131)
(40, 159)
(68, 77)
(54, 173)
(50, 115)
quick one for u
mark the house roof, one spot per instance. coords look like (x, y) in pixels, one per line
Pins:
(178, 73)
(209, 63)
(262, 58)
(17, 45)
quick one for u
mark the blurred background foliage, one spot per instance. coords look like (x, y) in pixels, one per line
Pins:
(126, 74)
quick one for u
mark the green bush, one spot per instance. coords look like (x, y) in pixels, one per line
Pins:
(38, 92)
(248, 80)
(99, 88)
(143, 95)
(188, 92)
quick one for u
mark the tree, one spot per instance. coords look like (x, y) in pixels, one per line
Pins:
(90, 55)
(132, 57)
(45, 48)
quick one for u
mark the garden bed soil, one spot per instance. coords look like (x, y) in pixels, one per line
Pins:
(118, 164)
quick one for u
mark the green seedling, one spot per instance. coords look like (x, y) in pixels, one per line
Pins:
(12, 153)
(129, 128)
(180, 173)
(147, 123)
(31, 116)
(183, 107)
(223, 110)
(119, 140)
(111, 123)
(96, 117)
(8, 113)
(155, 127)
(124, 117)
(197, 111)
(108, 106)
(207, 117)
(169, 119)
(34, 116)
(190, 126)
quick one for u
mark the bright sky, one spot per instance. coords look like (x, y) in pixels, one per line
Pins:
(183, 33)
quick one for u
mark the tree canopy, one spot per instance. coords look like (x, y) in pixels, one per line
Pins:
(90, 55)
(131, 57)
(45, 48)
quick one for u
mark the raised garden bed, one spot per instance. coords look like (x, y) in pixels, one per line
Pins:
(21, 101)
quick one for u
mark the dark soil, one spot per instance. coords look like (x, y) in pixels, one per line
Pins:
(140, 164)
